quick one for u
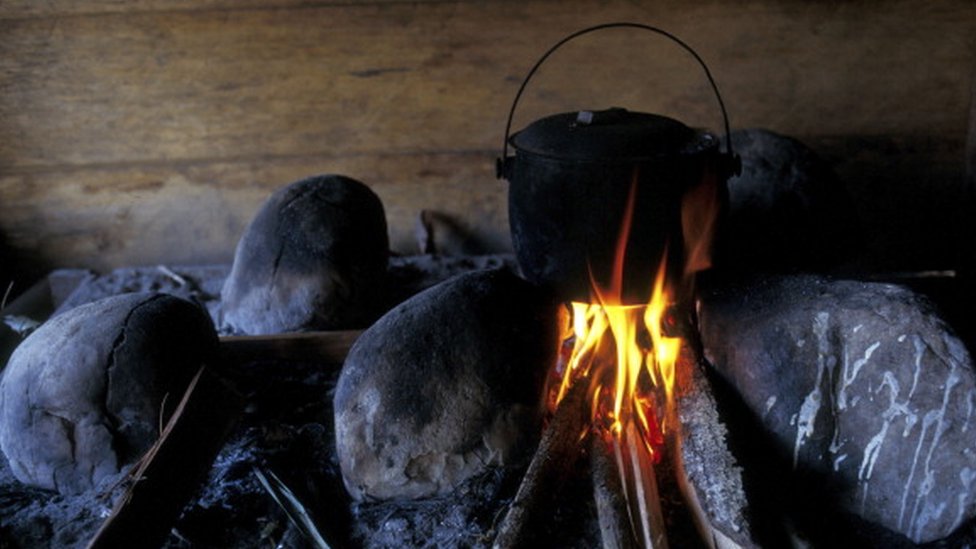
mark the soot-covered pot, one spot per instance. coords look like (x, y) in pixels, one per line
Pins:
(573, 175)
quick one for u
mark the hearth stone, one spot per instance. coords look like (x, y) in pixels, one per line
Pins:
(82, 396)
(444, 385)
(788, 210)
(313, 258)
(864, 389)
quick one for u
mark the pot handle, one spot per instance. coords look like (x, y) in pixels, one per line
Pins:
(734, 162)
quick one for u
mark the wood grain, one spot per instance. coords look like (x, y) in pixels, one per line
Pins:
(24, 9)
(327, 348)
(150, 131)
(193, 213)
(433, 77)
(971, 141)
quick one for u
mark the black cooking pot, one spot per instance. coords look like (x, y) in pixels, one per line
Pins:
(573, 174)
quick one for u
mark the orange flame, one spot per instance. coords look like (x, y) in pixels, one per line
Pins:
(610, 342)
(699, 215)
(623, 348)
(625, 343)
(630, 360)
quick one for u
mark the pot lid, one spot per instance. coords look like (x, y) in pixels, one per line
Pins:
(608, 135)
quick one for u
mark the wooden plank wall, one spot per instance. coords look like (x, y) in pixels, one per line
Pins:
(149, 131)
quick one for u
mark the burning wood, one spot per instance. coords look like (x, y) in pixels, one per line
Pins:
(611, 505)
(609, 377)
(625, 480)
(706, 473)
(625, 362)
(550, 465)
(636, 464)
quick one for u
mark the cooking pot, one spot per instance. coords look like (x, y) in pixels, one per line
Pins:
(573, 175)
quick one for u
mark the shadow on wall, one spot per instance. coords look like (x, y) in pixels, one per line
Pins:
(17, 270)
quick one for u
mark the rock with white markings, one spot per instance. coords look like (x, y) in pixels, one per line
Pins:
(313, 258)
(861, 383)
(83, 395)
(444, 385)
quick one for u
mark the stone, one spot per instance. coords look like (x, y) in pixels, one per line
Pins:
(444, 386)
(313, 258)
(860, 384)
(788, 211)
(86, 393)
(438, 233)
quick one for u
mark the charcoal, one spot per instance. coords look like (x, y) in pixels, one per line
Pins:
(865, 390)
(788, 211)
(444, 385)
(199, 284)
(84, 395)
(313, 258)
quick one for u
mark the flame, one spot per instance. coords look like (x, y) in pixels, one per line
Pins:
(624, 351)
(699, 214)
(629, 358)
(625, 345)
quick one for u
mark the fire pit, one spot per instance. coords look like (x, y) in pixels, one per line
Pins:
(600, 201)
(604, 388)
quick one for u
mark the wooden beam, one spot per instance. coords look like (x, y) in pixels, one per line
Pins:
(107, 217)
(324, 347)
(971, 144)
(130, 129)
(31, 9)
(159, 85)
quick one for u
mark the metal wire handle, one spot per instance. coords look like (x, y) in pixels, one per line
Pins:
(656, 30)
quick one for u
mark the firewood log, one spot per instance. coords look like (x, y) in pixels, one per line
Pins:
(611, 504)
(557, 452)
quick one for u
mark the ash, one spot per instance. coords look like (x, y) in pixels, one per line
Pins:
(406, 276)
(31, 517)
(463, 518)
(467, 517)
(287, 430)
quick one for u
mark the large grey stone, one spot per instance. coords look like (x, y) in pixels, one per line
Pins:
(861, 383)
(788, 210)
(444, 385)
(84, 394)
(314, 257)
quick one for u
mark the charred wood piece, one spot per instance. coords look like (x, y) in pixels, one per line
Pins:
(174, 467)
(558, 450)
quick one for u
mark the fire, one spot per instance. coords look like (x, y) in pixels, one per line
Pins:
(623, 350)
(625, 353)
(628, 357)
